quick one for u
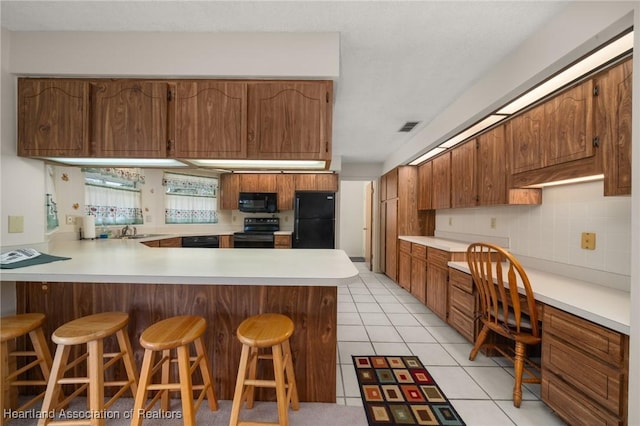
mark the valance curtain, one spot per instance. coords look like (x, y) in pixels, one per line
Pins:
(112, 195)
(190, 199)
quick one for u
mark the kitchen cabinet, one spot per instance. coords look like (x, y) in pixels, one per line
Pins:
(390, 234)
(210, 119)
(290, 120)
(463, 175)
(612, 126)
(155, 243)
(437, 293)
(585, 369)
(229, 191)
(316, 182)
(225, 241)
(463, 305)
(282, 241)
(419, 272)
(425, 185)
(171, 242)
(53, 117)
(258, 182)
(404, 264)
(285, 185)
(441, 195)
(129, 118)
(525, 133)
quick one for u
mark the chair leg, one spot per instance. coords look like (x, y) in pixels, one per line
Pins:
(206, 374)
(186, 392)
(52, 394)
(238, 393)
(129, 364)
(253, 371)
(165, 401)
(291, 377)
(4, 385)
(518, 365)
(482, 336)
(281, 393)
(143, 384)
(96, 380)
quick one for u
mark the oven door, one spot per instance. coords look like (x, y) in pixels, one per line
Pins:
(251, 240)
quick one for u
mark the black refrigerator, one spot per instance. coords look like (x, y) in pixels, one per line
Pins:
(314, 220)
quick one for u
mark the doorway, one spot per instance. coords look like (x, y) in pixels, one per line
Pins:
(356, 221)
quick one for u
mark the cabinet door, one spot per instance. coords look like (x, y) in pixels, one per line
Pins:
(404, 268)
(53, 117)
(129, 118)
(327, 182)
(568, 125)
(491, 171)
(425, 177)
(392, 184)
(282, 241)
(524, 135)
(391, 238)
(437, 290)
(258, 182)
(463, 181)
(613, 127)
(419, 279)
(306, 182)
(442, 182)
(211, 119)
(285, 185)
(229, 190)
(290, 120)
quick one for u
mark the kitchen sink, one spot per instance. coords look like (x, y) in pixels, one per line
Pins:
(139, 236)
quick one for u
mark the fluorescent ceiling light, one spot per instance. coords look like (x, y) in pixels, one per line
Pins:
(591, 62)
(119, 162)
(425, 157)
(568, 181)
(261, 164)
(478, 127)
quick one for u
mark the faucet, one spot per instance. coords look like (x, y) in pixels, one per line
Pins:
(124, 231)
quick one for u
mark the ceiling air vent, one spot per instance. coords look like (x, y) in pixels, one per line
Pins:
(408, 126)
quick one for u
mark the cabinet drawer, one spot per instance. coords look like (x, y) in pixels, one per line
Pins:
(609, 346)
(418, 250)
(600, 382)
(460, 279)
(440, 257)
(571, 405)
(462, 300)
(464, 324)
(404, 246)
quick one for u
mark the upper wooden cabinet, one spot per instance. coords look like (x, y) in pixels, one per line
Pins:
(285, 184)
(525, 139)
(612, 126)
(425, 186)
(53, 117)
(258, 182)
(463, 175)
(210, 119)
(129, 118)
(229, 191)
(441, 194)
(491, 168)
(290, 120)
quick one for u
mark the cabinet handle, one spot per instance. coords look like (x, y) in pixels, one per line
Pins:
(169, 145)
(251, 135)
(45, 288)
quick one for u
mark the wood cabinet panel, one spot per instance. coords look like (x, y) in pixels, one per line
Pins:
(425, 183)
(437, 290)
(305, 182)
(290, 120)
(463, 175)
(129, 118)
(171, 242)
(258, 182)
(612, 126)
(53, 117)
(229, 190)
(210, 119)
(491, 170)
(404, 267)
(462, 322)
(391, 238)
(282, 241)
(226, 241)
(525, 133)
(392, 184)
(327, 182)
(441, 196)
(285, 186)
(419, 278)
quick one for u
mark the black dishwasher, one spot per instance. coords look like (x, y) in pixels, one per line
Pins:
(205, 241)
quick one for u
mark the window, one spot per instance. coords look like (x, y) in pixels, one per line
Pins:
(113, 196)
(50, 200)
(190, 199)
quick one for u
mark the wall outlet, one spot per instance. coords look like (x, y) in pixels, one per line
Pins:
(16, 224)
(148, 218)
(450, 220)
(71, 220)
(588, 241)
(493, 223)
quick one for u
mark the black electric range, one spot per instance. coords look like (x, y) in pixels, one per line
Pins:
(257, 233)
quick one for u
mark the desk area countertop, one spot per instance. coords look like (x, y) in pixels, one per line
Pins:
(128, 261)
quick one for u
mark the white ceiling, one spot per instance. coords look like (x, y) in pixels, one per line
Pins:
(400, 60)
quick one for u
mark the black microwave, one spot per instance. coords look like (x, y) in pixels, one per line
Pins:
(258, 202)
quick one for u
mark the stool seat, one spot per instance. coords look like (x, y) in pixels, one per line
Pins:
(173, 332)
(19, 325)
(92, 327)
(265, 330)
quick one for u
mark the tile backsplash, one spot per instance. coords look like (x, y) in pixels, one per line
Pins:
(552, 231)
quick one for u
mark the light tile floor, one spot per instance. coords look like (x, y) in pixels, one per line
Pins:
(376, 316)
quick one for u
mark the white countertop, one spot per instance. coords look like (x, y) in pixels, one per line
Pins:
(439, 243)
(129, 261)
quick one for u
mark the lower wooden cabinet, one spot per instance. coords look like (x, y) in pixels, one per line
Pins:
(282, 241)
(463, 304)
(419, 272)
(225, 241)
(404, 264)
(438, 279)
(585, 369)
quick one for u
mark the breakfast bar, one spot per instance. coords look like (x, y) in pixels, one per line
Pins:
(224, 286)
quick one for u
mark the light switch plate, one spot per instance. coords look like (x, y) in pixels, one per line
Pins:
(16, 224)
(588, 241)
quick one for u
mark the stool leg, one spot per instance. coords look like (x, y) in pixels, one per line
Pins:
(250, 392)
(237, 395)
(52, 394)
(281, 395)
(165, 402)
(186, 391)
(129, 363)
(291, 377)
(4, 385)
(141, 394)
(95, 368)
(206, 373)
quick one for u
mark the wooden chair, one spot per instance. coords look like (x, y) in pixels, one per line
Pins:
(257, 332)
(11, 328)
(176, 333)
(91, 331)
(497, 275)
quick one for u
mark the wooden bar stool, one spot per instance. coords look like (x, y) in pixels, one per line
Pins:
(10, 329)
(174, 333)
(90, 330)
(257, 332)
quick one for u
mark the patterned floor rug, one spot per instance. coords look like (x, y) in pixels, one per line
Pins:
(398, 390)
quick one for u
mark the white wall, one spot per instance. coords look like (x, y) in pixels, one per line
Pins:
(352, 217)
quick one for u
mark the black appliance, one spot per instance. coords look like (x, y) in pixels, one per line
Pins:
(258, 202)
(258, 233)
(206, 241)
(314, 220)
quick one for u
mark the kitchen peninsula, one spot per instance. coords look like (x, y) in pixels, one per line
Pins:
(223, 285)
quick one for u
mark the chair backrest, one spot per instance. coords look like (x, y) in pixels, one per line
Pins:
(491, 264)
